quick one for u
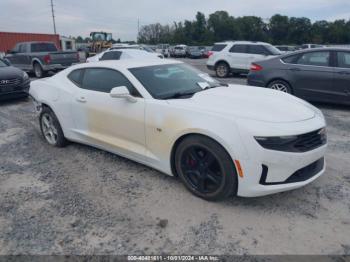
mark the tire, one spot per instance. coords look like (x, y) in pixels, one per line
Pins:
(50, 127)
(222, 70)
(205, 168)
(38, 70)
(280, 85)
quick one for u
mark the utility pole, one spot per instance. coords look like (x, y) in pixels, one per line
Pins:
(138, 28)
(53, 17)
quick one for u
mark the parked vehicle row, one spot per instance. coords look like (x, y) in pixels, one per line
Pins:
(219, 140)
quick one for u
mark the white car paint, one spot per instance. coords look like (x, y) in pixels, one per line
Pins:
(126, 54)
(240, 61)
(146, 130)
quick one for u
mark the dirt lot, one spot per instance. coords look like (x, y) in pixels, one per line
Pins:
(80, 200)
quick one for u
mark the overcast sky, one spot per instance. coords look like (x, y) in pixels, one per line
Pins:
(79, 17)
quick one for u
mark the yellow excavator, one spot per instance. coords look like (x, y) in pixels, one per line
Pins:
(101, 41)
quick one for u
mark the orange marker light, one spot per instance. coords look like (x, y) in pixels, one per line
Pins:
(239, 168)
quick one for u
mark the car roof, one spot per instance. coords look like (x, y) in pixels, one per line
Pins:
(242, 42)
(128, 63)
(318, 49)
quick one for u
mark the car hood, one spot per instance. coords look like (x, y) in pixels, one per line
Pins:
(249, 102)
(10, 72)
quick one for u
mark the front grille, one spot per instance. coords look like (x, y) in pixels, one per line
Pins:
(301, 175)
(295, 144)
(10, 82)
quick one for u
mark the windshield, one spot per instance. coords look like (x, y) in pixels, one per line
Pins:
(273, 50)
(3, 64)
(167, 81)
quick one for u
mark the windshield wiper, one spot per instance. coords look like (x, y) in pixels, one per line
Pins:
(215, 85)
(179, 95)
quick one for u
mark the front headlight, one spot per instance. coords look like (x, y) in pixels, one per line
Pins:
(25, 76)
(298, 143)
(280, 143)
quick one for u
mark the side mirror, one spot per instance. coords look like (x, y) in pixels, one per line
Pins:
(122, 92)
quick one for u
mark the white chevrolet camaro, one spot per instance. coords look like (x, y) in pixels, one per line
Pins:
(219, 140)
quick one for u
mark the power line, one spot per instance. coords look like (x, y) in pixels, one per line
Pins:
(53, 17)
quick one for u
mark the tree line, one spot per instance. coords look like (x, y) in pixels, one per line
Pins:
(220, 26)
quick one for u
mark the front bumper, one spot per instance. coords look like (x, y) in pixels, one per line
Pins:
(17, 91)
(211, 67)
(271, 171)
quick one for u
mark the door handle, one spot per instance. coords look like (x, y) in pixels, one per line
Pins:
(294, 69)
(81, 99)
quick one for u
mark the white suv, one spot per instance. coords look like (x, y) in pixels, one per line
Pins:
(236, 57)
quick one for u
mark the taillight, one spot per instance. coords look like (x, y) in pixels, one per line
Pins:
(210, 53)
(47, 59)
(78, 57)
(256, 67)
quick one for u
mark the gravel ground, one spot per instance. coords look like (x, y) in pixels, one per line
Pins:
(80, 200)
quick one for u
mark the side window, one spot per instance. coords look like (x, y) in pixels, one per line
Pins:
(22, 48)
(103, 80)
(343, 59)
(257, 50)
(76, 77)
(290, 59)
(115, 55)
(239, 49)
(314, 59)
(16, 48)
(218, 48)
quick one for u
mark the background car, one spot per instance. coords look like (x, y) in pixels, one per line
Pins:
(14, 83)
(194, 52)
(236, 57)
(120, 54)
(219, 140)
(163, 49)
(286, 48)
(310, 46)
(313, 74)
(180, 51)
(41, 57)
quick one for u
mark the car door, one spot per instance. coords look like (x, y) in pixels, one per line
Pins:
(311, 75)
(12, 56)
(341, 82)
(238, 55)
(23, 58)
(114, 124)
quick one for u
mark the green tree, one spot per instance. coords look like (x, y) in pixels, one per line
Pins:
(278, 29)
(299, 30)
